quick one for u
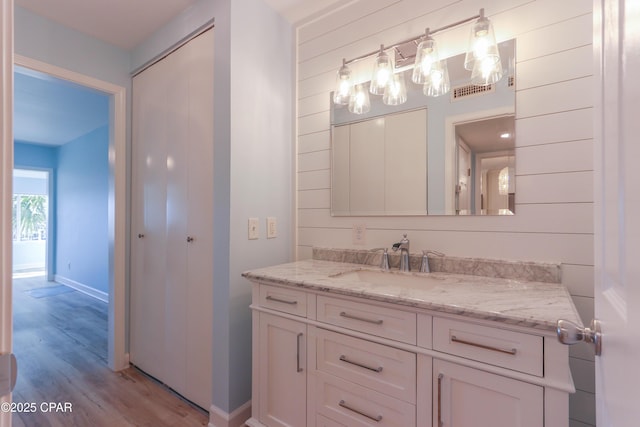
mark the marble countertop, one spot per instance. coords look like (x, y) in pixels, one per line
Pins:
(514, 302)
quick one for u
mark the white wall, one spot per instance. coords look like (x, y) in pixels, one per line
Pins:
(554, 148)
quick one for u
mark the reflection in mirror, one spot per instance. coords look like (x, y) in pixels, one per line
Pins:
(486, 166)
(430, 155)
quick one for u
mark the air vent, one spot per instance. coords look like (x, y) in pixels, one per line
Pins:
(470, 90)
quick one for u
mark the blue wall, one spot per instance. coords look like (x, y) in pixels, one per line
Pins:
(82, 207)
(32, 156)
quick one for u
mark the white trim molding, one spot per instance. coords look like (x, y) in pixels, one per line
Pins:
(81, 287)
(237, 418)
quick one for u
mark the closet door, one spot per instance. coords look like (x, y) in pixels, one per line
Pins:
(199, 320)
(171, 292)
(149, 238)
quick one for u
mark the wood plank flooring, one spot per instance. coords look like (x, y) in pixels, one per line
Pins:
(60, 342)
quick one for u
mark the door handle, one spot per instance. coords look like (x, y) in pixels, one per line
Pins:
(569, 333)
(8, 373)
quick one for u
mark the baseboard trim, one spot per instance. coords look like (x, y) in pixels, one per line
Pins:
(80, 287)
(237, 418)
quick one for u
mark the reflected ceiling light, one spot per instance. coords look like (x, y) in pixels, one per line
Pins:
(382, 72)
(505, 135)
(395, 93)
(344, 85)
(359, 103)
(482, 59)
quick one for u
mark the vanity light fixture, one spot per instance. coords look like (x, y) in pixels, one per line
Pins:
(359, 103)
(482, 59)
(382, 72)
(395, 92)
(483, 56)
(344, 85)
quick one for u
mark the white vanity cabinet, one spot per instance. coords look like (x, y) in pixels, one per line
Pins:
(327, 360)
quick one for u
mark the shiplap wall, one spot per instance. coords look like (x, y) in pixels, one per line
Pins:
(554, 148)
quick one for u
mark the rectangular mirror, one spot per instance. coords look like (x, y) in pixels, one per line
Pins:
(449, 155)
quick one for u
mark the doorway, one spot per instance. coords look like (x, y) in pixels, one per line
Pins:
(116, 193)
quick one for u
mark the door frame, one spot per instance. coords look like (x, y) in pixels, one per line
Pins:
(117, 356)
(6, 183)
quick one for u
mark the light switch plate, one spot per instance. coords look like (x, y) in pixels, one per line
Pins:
(272, 229)
(254, 229)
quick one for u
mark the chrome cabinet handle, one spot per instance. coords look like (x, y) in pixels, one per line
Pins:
(298, 367)
(363, 319)
(512, 351)
(569, 333)
(284, 301)
(190, 239)
(343, 358)
(140, 235)
(440, 376)
(344, 405)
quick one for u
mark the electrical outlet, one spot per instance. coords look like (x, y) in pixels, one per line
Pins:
(359, 234)
(254, 229)
(272, 229)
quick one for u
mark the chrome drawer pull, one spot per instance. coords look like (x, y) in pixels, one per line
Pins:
(377, 418)
(512, 352)
(343, 358)
(363, 319)
(298, 367)
(284, 301)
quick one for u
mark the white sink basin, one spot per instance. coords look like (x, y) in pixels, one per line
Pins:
(389, 278)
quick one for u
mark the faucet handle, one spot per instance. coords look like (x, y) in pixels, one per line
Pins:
(385, 260)
(424, 266)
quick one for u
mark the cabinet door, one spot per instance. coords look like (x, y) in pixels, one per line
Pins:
(282, 372)
(467, 397)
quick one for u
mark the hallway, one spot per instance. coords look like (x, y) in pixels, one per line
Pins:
(60, 341)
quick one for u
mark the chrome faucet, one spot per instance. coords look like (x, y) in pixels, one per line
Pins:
(403, 246)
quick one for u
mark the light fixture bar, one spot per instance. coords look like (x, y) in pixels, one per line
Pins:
(414, 39)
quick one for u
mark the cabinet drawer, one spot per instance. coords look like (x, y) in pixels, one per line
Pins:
(282, 299)
(375, 366)
(322, 421)
(507, 349)
(355, 406)
(384, 322)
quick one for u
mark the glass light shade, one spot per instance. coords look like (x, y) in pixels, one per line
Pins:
(505, 181)
(437, 83)
(426, 58)
(482, 43)
(344, 85)
(359, 102)
(396, 91)
(382, 71)
(486, 72)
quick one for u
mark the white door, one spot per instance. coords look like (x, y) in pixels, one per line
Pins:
(464, 178)
(617, 210)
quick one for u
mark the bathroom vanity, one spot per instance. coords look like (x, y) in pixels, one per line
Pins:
(343, 344)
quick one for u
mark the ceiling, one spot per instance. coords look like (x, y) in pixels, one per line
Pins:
(484, 135)
(52, 111)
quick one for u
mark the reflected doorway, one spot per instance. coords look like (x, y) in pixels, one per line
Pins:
(485, 166)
